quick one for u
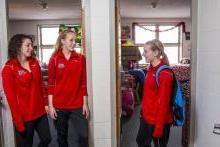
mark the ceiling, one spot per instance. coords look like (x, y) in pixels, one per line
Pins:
(57, 9)
(164, 8)
(69, 9)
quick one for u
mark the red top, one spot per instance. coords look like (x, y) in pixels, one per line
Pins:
(67, 80)
(24, 91)
(156, 100)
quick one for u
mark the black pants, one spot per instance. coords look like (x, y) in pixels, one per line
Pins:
(41, 125)
(79, 123)
(145, 135)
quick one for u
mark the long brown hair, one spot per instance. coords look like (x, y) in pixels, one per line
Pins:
(62, 35)
(15, 43)
(156, 44)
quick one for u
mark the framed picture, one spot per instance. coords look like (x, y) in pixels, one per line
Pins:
(125, 32)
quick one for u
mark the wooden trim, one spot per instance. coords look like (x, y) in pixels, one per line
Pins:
(118, 75)
(83, 41)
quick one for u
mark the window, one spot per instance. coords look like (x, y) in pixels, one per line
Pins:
(47, 39)
(141, 48)
(141, 35)
(169, 35)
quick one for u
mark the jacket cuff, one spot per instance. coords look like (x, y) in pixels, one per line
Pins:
(20, 127)
(84, 91)
(158, 131)
(50, 90)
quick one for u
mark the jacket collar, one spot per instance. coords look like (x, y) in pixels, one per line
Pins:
(154, 68)
(15, 61)
(60, 54)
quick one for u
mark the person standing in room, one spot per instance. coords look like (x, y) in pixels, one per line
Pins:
(24, 89)
(156, 116)
(67, 90)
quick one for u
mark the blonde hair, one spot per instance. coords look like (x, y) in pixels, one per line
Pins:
(62, 35)
(156, 44)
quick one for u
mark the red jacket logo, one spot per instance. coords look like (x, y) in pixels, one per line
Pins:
(61, 65)
(21, 72)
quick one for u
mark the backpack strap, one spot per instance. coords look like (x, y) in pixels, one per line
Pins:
(158, 72)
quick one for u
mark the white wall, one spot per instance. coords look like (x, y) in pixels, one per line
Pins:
(186, 43)
(100, 54)
(7, 126)
(207, 111)
(31, 26)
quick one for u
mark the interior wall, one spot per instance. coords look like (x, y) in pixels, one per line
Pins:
(186, 43)
(30, 26)
(207, 110)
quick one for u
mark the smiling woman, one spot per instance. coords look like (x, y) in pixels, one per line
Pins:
(28, 104)
(41, 19)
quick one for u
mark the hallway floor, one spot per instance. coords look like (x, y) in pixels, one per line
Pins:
(130, 129)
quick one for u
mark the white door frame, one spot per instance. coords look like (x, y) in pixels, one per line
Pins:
(8, 129)
(194, 16)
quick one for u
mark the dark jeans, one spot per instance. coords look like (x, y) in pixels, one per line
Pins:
(41, 125)
(79, 123)
(145, 135)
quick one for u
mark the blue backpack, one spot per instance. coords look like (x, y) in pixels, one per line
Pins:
(177, 101)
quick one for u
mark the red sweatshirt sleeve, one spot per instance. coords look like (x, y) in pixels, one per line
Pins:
(9, 87)
(83, 78)
(51, 76)
(165, 93)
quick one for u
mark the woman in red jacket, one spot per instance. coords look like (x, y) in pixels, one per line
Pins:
(156, 117)
(24, 90)
(68, 91)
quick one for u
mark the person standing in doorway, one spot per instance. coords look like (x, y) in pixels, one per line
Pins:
(156, 115)
(25, 93)
(67, 90)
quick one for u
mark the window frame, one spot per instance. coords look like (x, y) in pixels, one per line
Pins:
(157, 25)
(40, 45)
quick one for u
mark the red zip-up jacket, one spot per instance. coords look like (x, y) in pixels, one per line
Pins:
(156, 100)
(25, 91)
(67, 80)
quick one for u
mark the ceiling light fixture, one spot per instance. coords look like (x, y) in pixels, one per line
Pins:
(43, 4)
(154, 3)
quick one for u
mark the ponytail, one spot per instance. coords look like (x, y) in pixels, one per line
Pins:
(165, 58)
(158, 45)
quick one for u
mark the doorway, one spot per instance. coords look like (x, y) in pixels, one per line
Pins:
(139, 22)
(42, 19)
